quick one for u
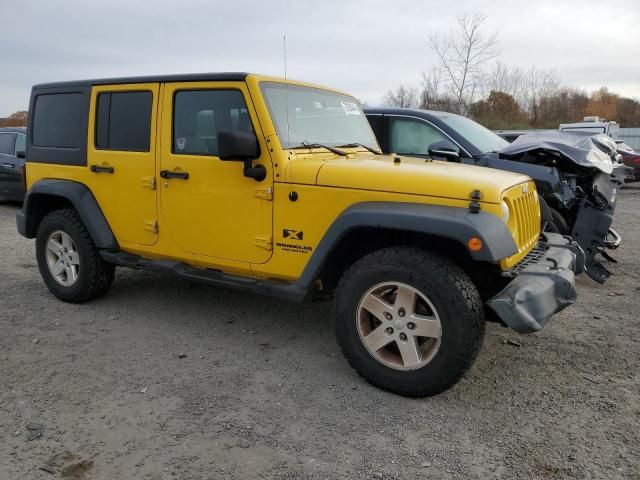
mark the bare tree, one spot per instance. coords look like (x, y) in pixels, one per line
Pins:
(504, 78)
(462, 53)
(526, 86)
(401, 97)
(435, 94)
(539, 84)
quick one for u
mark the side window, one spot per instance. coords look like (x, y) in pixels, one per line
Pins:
(123, 121)
(56, 120)
(6, 143)
(198, 116)
(412, 137)
(21, 143)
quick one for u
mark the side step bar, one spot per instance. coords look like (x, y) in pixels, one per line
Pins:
(269, 288)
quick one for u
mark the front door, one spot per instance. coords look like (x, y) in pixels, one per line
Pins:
(121, 154)
(209, 206)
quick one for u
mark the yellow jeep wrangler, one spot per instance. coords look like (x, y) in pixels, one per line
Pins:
(278, 187)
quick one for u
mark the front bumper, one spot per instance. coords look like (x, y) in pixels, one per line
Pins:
(544, 284)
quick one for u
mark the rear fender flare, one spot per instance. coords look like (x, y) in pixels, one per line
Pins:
(82, 200)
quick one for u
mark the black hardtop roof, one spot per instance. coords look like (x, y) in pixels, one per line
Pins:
(184, 77)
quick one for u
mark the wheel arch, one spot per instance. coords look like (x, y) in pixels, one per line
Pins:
(48, 195)
(368, 226)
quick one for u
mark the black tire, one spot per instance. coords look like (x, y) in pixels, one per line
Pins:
(446, 286)
(562, 227)
(95, 276)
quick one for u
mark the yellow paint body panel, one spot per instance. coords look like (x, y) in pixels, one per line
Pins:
(125, 197)
(416, 176)
(314, 212)
(222, 220)
(218, 212)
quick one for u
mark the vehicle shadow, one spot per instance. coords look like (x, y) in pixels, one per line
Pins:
(280, 339)
(10, 203)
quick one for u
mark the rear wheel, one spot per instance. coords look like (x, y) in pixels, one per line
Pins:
(408, 321)
(68, 260)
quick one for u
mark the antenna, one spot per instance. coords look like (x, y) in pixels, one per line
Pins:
(286, 106)
(286, 96)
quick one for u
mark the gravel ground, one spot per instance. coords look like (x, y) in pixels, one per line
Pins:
(162, 379)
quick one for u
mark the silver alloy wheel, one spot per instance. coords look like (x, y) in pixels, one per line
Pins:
(63, 259)
(399, 326)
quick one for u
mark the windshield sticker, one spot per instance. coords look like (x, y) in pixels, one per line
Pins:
(350, 108)
(181, 143)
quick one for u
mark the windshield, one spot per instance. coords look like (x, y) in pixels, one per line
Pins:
(316, 117)
(480, 137)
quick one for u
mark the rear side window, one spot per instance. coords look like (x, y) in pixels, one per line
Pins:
(198, 116)
(123, 121)
(6, 143)
(56, 120)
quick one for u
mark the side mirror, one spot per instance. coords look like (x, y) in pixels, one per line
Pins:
(446, 149)
(241, 147)
(21, 154)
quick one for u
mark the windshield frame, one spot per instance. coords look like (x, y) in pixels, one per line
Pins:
(460, 134)
(286, 143)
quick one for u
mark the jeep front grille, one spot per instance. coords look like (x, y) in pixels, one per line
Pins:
(524, 219)
(527, 211)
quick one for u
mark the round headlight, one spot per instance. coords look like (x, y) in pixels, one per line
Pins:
(505, 211)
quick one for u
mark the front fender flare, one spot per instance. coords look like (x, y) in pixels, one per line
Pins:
(455, 223)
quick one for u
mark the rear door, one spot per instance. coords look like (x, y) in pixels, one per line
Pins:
(121, 156)
(9, 173)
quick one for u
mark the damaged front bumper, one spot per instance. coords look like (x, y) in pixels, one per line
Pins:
(592, 226)
(543, 284)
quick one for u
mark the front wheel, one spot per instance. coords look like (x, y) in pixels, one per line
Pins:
(561, 225)
(408, 321)
(68, 260)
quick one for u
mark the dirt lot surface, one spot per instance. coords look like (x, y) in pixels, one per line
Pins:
(162, 379)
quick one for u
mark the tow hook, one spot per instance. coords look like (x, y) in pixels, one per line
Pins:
(555, 263)
(612, 239)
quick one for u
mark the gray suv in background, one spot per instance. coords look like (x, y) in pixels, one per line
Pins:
(12, 153)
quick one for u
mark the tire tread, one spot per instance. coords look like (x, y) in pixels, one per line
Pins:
(427, 263)
(98, 274)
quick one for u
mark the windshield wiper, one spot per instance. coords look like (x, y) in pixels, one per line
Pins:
(319, 145)
(354, 145)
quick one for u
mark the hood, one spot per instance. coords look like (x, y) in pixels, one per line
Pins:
(584, 150)
(417, 176)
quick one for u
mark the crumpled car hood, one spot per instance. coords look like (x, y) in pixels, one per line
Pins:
(583, 150)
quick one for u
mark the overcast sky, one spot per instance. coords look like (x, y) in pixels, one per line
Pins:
(363, 46)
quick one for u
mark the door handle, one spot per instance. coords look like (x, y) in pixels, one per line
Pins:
(169, 174)
(8, 165)
(101, 169)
